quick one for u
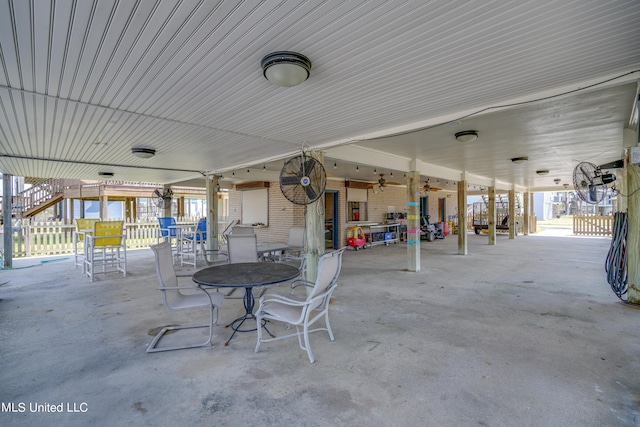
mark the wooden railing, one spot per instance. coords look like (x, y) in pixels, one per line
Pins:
(592, 225)
(39, 238)
(39, 193)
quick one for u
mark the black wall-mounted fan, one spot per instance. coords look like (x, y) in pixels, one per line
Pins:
(303, 180)
(162, 197)
(590, 183)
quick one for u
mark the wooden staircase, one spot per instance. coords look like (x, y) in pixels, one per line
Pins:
(43, 194)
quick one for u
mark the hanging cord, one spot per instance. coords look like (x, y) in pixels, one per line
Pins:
(43, 262)
(616, 263)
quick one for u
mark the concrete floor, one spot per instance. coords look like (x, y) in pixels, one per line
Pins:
(524, 333)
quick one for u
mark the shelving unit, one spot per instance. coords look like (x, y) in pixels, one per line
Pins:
(383, 234)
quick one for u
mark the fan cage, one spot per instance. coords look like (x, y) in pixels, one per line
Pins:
(302, 180)
(583, 182)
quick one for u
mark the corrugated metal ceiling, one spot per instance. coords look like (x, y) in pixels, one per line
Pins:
(82, 82)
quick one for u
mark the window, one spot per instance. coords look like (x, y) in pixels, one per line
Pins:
(356, 204)
(255, 207)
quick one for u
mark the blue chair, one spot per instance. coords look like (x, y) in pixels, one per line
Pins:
(201, 231)
(192, 242)
(165, 231)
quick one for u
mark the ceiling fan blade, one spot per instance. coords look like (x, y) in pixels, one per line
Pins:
(289, 180)
(157, 193)
(308, 166)
(311, 192)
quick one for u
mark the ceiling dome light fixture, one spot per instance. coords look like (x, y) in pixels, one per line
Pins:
(542, 171)
(467, 136)
(518, 160)
(143, 153)
(286, 69)
(557, 180)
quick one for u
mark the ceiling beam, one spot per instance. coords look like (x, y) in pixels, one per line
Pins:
(366, 156)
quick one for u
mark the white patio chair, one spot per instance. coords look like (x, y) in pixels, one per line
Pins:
(176, 300)
(242, 230)
(242, 248)
(296, 255)
(303, 312)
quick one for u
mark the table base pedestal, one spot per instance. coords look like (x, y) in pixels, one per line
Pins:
(249, 303)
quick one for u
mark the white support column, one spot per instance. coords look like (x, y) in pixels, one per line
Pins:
(525, 216)
(315, 228)
(212, 216)
(512, 214)
(462, 217)
(6, 221)
(413, 221)
(166, 212)
(632, 173)
(491, 211)
(104, 206)
(531, 215)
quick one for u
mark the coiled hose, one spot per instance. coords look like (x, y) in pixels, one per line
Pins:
(616, 263)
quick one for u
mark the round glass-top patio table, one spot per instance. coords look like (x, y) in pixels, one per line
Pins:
(247, 275)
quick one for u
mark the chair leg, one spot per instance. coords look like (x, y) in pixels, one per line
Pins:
(326, 321)
(307, 345)
(152, 346)
(259, 329)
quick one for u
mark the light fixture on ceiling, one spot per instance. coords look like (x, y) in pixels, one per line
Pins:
(557, 180)
(542, 171)
(565, 185)
(106, 174)
(143, 153)
(286, 69)
(467, 136)
(518, 160)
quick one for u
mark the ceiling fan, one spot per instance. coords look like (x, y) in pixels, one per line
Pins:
(382, 183)
(428, 187)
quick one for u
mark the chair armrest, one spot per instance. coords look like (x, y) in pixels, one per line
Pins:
(301, 282)
(293, 254)
(220, 253)
(283, 299)
(173, 288)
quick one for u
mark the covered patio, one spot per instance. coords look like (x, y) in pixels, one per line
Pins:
(525, 332)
